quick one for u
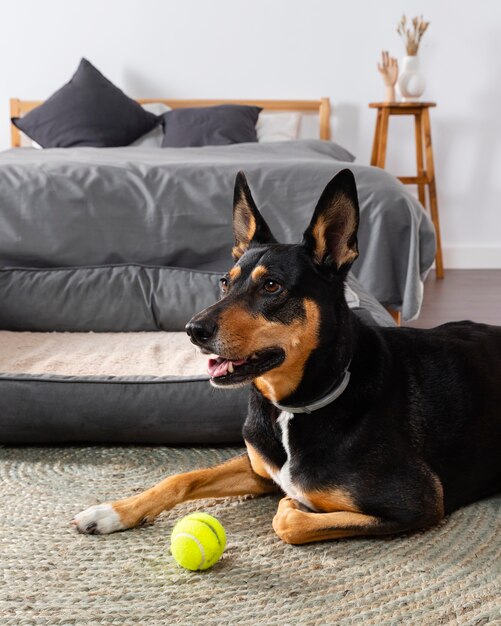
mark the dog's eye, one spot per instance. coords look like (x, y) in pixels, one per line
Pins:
(271, 286)
(224, 284)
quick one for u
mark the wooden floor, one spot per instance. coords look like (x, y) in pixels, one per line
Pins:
(462, 294)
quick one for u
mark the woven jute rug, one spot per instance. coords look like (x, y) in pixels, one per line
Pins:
(52, 575)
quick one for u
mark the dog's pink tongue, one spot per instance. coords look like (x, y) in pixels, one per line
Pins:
(219, 366)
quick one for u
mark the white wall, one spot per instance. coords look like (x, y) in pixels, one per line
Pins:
(292, 49)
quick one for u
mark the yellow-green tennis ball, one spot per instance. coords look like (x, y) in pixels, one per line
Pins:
(197, 541)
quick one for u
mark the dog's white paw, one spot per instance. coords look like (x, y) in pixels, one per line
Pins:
(100, 519)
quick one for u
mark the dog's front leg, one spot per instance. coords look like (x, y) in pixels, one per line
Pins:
(232, 478)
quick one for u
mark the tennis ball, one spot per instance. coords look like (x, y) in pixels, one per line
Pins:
(197, 541)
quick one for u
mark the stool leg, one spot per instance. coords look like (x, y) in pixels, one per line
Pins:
(430, 168)
(418, 128)
(377, 134)
(383, 138)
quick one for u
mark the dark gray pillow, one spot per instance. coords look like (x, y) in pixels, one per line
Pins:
(210, 126)
(88, 111)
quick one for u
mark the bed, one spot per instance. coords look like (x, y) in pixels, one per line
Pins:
(172, 207)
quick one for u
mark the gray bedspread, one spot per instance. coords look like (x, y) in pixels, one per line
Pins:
(91, 207)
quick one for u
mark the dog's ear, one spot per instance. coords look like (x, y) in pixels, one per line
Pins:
(248, 223)
(331, 237)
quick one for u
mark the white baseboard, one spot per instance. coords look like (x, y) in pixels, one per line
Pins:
(472, 257)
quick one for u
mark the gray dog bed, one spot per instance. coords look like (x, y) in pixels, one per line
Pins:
(132, 386)
(148, 387)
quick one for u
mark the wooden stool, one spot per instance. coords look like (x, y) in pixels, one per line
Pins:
(425, 177)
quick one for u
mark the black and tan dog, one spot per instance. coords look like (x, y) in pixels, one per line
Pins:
(367, 431)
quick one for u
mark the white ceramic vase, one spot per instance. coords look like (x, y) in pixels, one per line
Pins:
(411, 82)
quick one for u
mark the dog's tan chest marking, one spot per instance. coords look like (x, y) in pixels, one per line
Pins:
(335, 499)
(259, 465)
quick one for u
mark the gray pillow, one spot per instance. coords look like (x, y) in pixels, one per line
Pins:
(210, 126)
(88, 111)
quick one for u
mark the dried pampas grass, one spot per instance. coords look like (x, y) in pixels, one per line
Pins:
(412, 37)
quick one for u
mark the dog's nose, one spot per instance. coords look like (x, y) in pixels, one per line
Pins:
(201, 332)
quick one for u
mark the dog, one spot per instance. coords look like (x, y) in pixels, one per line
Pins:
(365, 430)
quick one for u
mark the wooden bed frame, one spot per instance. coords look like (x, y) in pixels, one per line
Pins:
(322, 107)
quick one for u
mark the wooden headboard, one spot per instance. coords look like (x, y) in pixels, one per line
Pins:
(19, 107)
